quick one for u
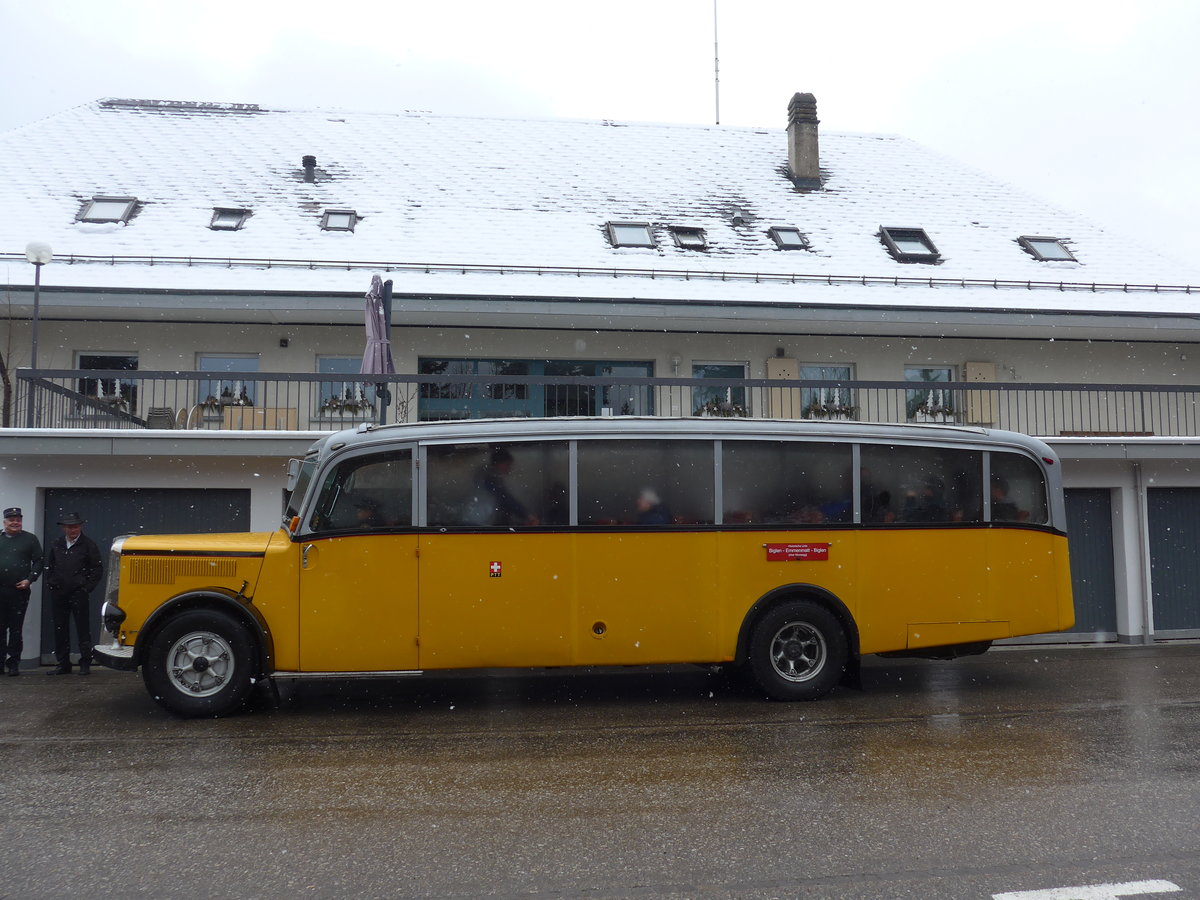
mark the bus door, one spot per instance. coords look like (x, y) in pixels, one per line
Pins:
(496, 569)
(922, 550)
(358, 568)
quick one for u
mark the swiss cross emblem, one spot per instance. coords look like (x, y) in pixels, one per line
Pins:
(494, 569)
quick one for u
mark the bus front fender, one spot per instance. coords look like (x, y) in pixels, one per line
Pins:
(212, 598)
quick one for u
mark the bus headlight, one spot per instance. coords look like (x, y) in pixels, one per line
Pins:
(112, 617)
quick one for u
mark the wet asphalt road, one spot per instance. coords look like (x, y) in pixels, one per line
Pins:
(1019, 770)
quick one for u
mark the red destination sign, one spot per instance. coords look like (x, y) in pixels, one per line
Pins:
(796, 552)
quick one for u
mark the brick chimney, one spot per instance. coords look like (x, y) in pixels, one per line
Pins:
(804, 157)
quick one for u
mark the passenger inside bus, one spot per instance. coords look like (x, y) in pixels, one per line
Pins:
(1003, 509)
(367, 513)
(926, 503)
(651, 510)
(504, 508)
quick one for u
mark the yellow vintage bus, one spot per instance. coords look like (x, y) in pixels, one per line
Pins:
(786, 549)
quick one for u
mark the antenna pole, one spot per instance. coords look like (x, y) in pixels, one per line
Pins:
(716, 66)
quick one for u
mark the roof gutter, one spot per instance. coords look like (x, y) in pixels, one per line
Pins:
(613, 272)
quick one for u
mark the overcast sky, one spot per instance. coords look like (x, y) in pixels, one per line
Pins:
(1092, 105)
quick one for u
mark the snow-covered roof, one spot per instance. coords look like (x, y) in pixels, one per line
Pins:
(468, 206)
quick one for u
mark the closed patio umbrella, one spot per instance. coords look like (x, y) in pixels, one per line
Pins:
(377, 356)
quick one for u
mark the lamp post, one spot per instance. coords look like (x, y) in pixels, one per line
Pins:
(39, 254)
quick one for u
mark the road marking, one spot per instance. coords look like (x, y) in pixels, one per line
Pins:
(1094, 891)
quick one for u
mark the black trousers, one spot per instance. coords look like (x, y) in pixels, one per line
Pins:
(64, 608)
(13, 604)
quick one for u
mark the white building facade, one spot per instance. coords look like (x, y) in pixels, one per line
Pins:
(212, 259)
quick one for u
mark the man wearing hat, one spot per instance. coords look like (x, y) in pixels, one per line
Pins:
(73, 569)
(20, 565)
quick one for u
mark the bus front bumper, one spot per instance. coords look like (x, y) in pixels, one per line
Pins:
(115, 656)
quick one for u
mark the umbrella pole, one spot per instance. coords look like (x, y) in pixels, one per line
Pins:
(385, 395)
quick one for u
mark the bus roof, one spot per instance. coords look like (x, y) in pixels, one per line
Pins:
(564, 427)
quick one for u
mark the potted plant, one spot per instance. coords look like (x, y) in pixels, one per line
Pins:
(936, 407)
(715, 407)
(240, 398)
(830, 410)
(346, 404)
(115, 401)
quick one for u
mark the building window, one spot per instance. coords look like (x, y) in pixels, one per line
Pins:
(561, 395)
(930, 403)
(107, 209)
(117, 392)
(349, 397)
(339, 220)
(689, 238)
(630, 234)
(1046, 249)
(231, 391)
(228, 219)
(827, 401)
(787, 238)
(719, 399)
(909, 245)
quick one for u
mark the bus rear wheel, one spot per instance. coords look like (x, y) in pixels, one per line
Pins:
(798, 651)
(200, 663)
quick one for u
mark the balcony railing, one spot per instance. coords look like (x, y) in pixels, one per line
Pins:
(60, 398)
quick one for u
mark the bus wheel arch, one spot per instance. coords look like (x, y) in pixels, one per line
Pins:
(798, 642)
(202, 656)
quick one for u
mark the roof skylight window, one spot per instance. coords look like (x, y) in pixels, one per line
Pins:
(339, 220)
(228, 219)
(1046, 249)
(107, 209)
(787, 237)
(689, 238)
(909, 245)
(630, 234)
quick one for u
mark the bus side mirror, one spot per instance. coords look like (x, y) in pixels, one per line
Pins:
(293, 474)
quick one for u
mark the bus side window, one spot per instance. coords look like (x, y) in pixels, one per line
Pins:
(366, 492)
(509, 485)
(918, 485)
(632, 482)
(1018, 489)
(786, 482)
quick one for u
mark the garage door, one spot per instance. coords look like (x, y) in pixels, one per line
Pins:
(1093, 582)
(110, 512)
(1174, 525)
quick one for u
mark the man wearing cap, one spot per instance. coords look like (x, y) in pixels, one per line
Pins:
(73, 569)
(20, 564)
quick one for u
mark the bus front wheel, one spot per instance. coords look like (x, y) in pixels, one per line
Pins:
(200, 664)
(798, 651)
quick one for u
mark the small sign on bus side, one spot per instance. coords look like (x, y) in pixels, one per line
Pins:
(797, 552)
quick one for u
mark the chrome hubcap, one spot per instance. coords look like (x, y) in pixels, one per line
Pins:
(798, 651)
(200, 663)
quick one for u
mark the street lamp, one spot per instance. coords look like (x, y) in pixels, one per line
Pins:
(39, 254)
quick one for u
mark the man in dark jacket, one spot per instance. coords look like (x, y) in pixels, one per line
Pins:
(20, 565)
(73, 569)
